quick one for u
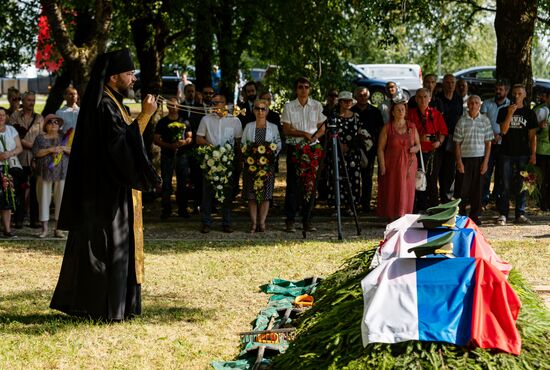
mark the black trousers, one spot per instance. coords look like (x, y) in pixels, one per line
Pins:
(446, 175)
(27, 179)
(469, 185)
(543, 162)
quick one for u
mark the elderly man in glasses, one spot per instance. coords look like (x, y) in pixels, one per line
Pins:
(302, 120)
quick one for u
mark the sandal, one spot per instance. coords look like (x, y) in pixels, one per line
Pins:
(261, 228)
(252, 228)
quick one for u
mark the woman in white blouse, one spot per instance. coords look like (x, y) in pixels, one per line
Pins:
(260, 133)
(10, 147)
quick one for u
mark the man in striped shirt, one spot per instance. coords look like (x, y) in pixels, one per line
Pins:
(472, 137)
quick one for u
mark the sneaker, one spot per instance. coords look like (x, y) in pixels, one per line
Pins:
(59, 234)
(9, 235)
(290, 228)
(521, 219)
(501, 220)
(310, 227)
(205, 229)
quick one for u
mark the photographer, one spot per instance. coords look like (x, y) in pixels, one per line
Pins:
(432, 131)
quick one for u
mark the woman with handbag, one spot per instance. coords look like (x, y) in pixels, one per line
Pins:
(397, 164)
(10, 170)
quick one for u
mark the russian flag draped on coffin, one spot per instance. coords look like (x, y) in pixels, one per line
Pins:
(464, 301)
(406, 232)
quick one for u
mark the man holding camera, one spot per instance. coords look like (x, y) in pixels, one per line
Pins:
(432, 131)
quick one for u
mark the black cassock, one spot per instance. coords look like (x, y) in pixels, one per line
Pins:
(108, 160)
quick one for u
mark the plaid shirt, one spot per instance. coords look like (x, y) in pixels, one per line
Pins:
(471, 134)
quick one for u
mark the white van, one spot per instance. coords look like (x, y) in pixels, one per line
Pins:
(407, 76)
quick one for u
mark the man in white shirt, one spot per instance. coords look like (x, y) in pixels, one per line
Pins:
(70, 111)
(302, 123)
(216, 129)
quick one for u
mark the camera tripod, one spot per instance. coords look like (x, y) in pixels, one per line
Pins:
(337, 156)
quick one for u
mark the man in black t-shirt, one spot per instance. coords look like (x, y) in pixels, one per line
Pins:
(518, 126)
(175, 140)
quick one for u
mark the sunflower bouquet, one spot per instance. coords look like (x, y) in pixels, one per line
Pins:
(178, 130)
(258, 161)
(307, 158)
(217, 165)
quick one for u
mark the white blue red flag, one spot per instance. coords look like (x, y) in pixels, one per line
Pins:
(463, 301)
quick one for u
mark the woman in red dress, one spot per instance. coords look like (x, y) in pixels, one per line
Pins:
(397, 165)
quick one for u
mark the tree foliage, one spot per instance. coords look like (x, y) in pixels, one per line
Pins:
(19, 20)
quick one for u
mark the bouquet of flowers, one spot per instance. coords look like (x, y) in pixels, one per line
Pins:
(178, 130)
(307, 158)
(217, 165)
(67, 140)
(258, 161)
(531, 179)
(7, 179)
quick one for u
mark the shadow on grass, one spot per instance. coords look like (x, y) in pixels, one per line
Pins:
(28, 313)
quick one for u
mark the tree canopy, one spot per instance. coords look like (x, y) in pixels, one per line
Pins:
(313, 38)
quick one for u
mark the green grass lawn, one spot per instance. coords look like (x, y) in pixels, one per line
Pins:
(196, 298)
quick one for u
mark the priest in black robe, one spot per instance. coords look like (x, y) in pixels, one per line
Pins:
(102, 266)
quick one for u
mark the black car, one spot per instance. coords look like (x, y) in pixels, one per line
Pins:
(481, 81)
(171, 77)
(377, 88)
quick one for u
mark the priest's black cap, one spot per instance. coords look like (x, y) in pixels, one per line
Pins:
(118, 61)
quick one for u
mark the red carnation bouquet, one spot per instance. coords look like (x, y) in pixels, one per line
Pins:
(307, 158)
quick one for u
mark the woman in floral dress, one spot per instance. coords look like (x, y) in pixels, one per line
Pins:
(347, 125)
(260, 132)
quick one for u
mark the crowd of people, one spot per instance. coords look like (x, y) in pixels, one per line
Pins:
(457, 140)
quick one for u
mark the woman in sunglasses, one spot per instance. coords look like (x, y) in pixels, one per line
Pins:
(52, 159)
(260, 133)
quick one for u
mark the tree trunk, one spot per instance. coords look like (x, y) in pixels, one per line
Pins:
(228, 50)
(514, 26)
(203, 34)
(79, 53)
(150, 53)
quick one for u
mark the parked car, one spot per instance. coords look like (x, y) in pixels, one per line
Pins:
(376, 87)
(482, 79)
(170, 79)
(407, 76)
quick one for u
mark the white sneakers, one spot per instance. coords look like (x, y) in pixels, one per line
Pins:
(520, 220)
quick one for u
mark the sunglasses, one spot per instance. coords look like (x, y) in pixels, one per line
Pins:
(303, 87)
(260, 109)
(54, 122)
(208, 93)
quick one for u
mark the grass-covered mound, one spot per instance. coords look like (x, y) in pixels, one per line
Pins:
(329, 335)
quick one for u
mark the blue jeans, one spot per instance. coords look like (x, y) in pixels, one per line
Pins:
(206, 204)
(179, 164)
(511, 182)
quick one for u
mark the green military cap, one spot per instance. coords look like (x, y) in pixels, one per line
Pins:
(446, 217)
(444, 206)
(441, 245)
